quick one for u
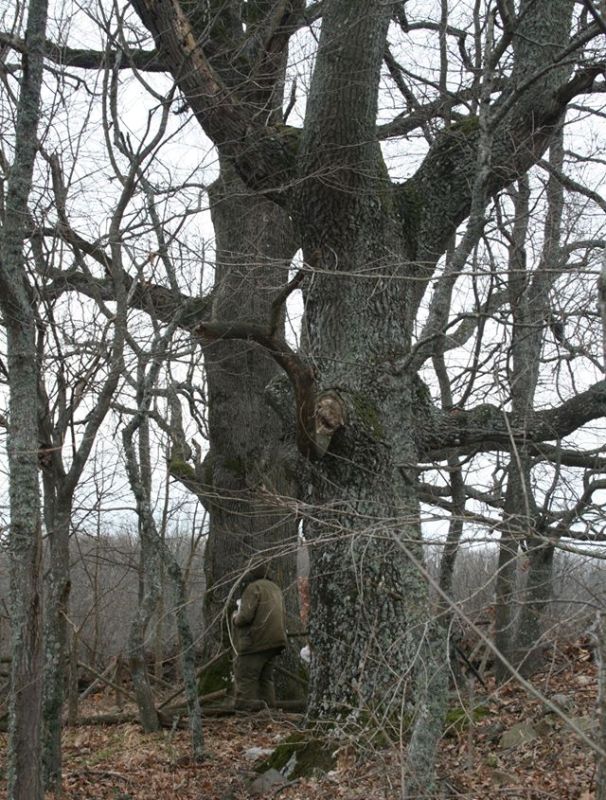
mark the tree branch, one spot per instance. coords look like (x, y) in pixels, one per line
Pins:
(144, 60)
(301, 375)
(487, 428)
(263, 155)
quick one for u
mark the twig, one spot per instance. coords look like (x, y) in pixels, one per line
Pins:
(181, 689)
(107, 681)
(281, 298)
(97, 680)
(279, 789)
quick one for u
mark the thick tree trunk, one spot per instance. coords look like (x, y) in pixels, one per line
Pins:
(25, 779)
(374, 246)
(374, 643)
(246, 464)
(25, 571)
(529, 644)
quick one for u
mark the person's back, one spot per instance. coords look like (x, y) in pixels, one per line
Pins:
(259, 628)
(261, 619)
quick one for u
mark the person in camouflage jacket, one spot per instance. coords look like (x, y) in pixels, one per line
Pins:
(259, 634)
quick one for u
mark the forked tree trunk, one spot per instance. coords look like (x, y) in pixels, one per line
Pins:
(367, 560)
(372, 246)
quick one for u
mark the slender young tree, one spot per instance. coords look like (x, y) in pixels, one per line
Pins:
(64, 455)
(18, 310)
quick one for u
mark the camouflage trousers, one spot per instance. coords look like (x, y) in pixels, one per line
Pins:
(254, 679)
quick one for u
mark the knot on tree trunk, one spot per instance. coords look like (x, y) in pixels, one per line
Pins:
(330, 415)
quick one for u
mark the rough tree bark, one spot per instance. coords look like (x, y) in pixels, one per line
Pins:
(365, 532)
(17, 305)
(255, 245)
(246, 465)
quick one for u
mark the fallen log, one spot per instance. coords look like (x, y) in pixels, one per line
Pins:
(102, 677)
(172, 713)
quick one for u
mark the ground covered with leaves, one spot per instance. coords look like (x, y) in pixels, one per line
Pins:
(515, 747)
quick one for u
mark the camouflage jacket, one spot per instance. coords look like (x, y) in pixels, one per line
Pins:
(260, 622)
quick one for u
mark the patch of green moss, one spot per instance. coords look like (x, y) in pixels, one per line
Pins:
(458, 719)
(218, 676)
(466, 126)
(367, 414)
(379, 729)
(181, 470)
(311, 755)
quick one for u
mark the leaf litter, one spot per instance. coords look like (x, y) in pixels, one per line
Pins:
(120, 762)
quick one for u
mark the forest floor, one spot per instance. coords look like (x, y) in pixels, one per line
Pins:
(119, 762)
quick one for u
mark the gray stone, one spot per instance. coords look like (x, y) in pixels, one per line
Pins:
(493, 732)
(585, 724)
(563, 701)
(258, 752)
(267, 783)
(521, 733)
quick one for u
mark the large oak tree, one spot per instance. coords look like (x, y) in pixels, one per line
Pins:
(370, 246)
(358, 412)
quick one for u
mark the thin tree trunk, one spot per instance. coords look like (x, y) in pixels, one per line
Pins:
(505, 586)
(55, 636)
(72, 696)
(137, 662)
(155, 558)
(187, 653)
(601, 653)
(16, 302)
(532, 314)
